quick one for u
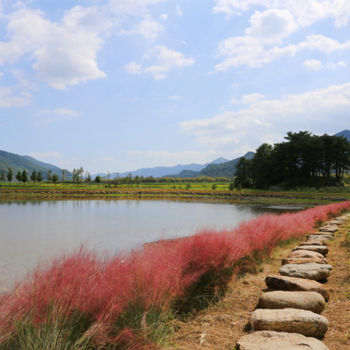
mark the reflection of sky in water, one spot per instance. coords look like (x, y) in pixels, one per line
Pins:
(35, 230)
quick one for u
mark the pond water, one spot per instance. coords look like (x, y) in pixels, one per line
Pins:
(32, 231)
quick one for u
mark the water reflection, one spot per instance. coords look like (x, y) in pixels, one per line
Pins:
(35, 230)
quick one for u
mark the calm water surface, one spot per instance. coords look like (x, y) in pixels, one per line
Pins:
(32, 231)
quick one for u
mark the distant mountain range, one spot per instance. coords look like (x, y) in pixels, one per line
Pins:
(19, 163)
(163, 171)
(220, 167)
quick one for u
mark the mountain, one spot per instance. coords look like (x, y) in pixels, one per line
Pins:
(217, 170)
(19, 163)
(163, 171)
(345, 133)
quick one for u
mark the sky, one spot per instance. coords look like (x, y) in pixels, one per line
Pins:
(117, 85)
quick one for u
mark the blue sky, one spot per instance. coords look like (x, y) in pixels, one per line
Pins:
(116, 85)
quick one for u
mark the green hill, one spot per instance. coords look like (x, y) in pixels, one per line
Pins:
(216, 170)
(19, 163)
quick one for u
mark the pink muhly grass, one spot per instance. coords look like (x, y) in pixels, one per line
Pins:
(125, 296)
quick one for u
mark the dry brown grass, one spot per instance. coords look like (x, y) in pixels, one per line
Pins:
(223, 323)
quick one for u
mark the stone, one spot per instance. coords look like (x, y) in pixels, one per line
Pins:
(337, 222)
(290, 321)
(270, 340)
(329, 228)
(321, 239)
(305, 254)
(321, 236)
(304, 261)
(276, 282)
(310, 271)
(310, 243)
(311, 301)
(322, 249)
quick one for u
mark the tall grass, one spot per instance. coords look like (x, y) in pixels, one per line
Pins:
(85, 301)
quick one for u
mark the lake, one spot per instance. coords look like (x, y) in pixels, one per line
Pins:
(32, 231)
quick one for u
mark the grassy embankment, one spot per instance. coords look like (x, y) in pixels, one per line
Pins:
(47, 190)
(83, 301)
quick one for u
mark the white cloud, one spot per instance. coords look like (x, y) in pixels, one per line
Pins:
(271, 26)
(316, 109)
(337, 65)
(178, 11)
(263, 40)
(317, 65)
(305, 12)
(174, 97)
(64, 53)
(251, 52)
(252, 98)
(165, 60)
(313, 65)
(133, 68)
(148, 28)
(8, 98)
(163, 17)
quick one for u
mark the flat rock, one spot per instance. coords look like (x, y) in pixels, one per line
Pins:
(310, 243)
(304, 261)
(320, 237)
(329, 228)
(310, 271)
(311, 301)
(270, 340)
(322, 249)
(303, 253)
(337, 222)
(276, 282)
(290, 321)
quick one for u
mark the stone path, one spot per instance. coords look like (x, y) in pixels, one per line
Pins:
(288, 315)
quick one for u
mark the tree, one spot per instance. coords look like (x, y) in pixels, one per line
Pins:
(33, 176)
(24, 177)
(55, 178)
(39, 177)
(9, 175)
(49, 175)
(137, 180)
(87, 176)
(63, 172)
(243, 173)
(19, 176)
(2, 176)
(98, 179)
(261, 166)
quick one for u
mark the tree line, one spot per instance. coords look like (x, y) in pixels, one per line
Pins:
(302, 159)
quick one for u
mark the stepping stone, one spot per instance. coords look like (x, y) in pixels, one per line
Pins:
(322, 249)
(310, 271)
(290, 321)
(329, 228)
(276, 282)
(310, 243)
(304, 261)
(270, 340)
(303, 253)
(320, 237)
(310, 301)
(337, 222)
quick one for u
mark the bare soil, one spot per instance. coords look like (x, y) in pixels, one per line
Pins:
(223, 323)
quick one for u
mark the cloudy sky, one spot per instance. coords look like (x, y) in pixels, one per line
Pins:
(116, 85)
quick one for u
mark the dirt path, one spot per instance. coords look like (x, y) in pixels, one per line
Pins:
(223, 323)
